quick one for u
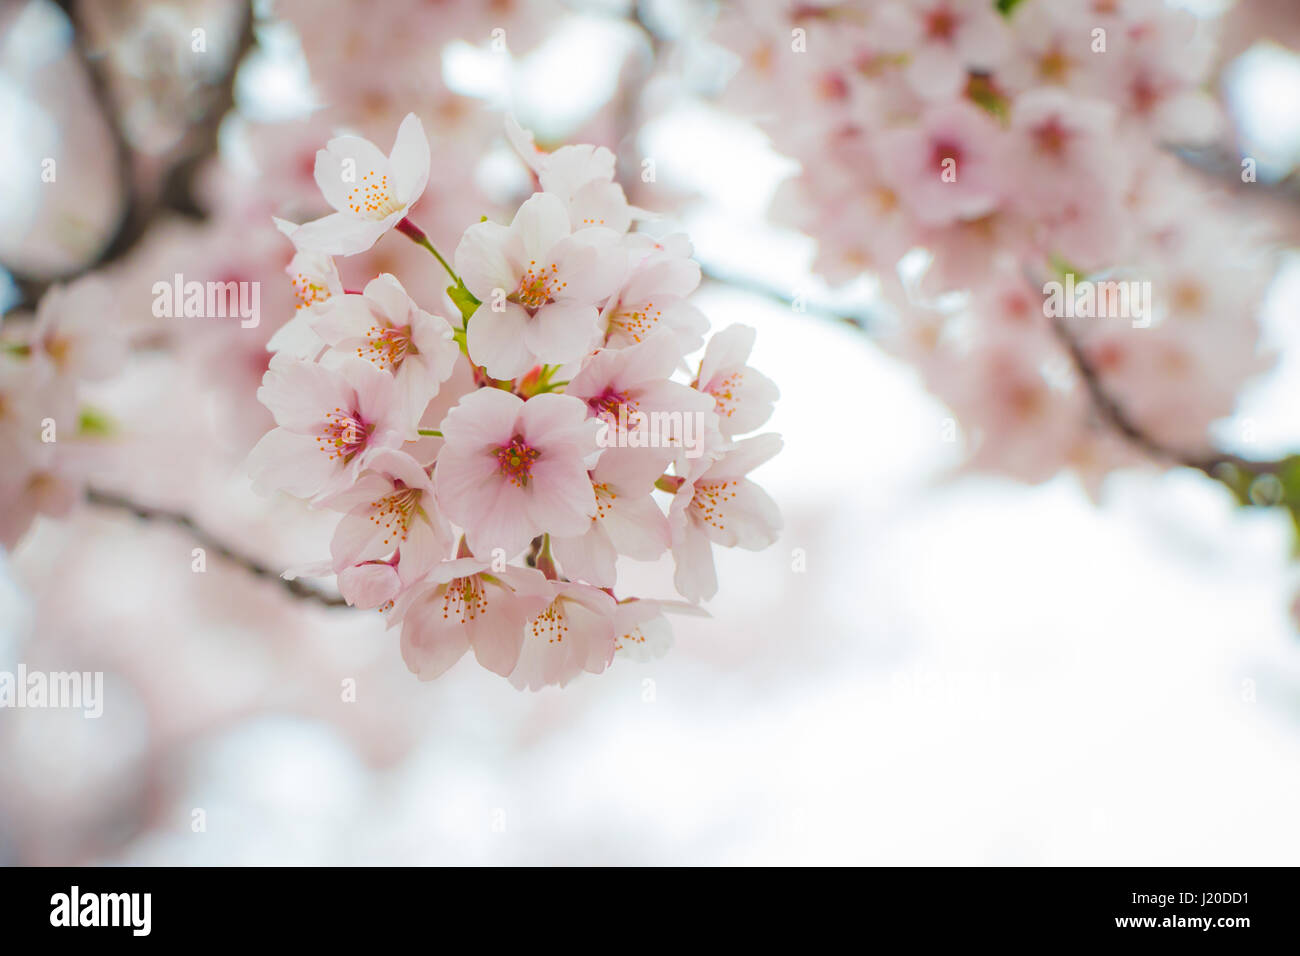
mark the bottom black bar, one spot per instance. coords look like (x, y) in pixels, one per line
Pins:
(1175, 907)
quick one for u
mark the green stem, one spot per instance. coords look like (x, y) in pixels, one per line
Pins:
(417, 235)
(429, 432)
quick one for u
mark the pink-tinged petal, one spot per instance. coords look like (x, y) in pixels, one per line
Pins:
(286, 461)
(588, 557)
(401, 466)
(376, 396)
(551, 418)
(523, 143)
(369, 586)
(560, 332)
(746, 455)
(496, 340)
(560, 498)
(410, 160)
(591, 264)
(727, 350)
(600, 204)
(497, 634)
(488, 260)
(540, 223)
(482, 418)
(569, 168)
(497, 648)
(424, 547)
(503, 521)
(386, 294)
(637, 527)
(300, 393)
(329, 177)
(342, 318)
(695, 576)
(753, 397)
(935, 73)
(469, 487)
(430, 644)
(358, 539)
(297, 338)
(575, 633)
(436, 345)
(740, 514)
(364, 155)
(364, 490)
(628, 472)
(339, 234)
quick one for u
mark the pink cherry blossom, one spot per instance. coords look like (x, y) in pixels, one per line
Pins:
(511, 470)
(78, 329)
(621, 384)
(949, 167)
(582, 176)
(627, 519)
(369, 191)
(717, 504)
(540, 285)
(572, 633)
(641, 628)
(743, 395)
(653, 297)
(385, 327)
(329, 420)
(944, 39)
(465, 604)
(390, 508)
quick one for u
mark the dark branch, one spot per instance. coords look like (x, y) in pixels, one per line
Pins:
(175, 192)
(298, 589)
(1221, 466)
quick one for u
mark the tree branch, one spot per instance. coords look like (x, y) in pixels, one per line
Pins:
(296, 588)
(1232, 470)
(176, 190)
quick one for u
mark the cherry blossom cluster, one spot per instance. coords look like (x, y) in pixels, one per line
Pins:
(1009, 145)
(492, 457)
(47, 429)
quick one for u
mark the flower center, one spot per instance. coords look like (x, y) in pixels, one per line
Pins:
(709, 500)
(343, 435)
(537, 286)
(516, 461)
(604, 500)
(1050, 137)
(373, 198)
(940, 24)
(944, 150)
(552, 624)
(609, 401)
(393, 513)
(636, 323)
(387, 347)
(309, 290)
(464, 600)
(724, 393)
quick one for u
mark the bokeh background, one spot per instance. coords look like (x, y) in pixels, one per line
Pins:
(930, 667)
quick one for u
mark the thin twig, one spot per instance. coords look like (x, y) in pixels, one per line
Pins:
(107, 499)
(715, 277)
(1114, 415)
